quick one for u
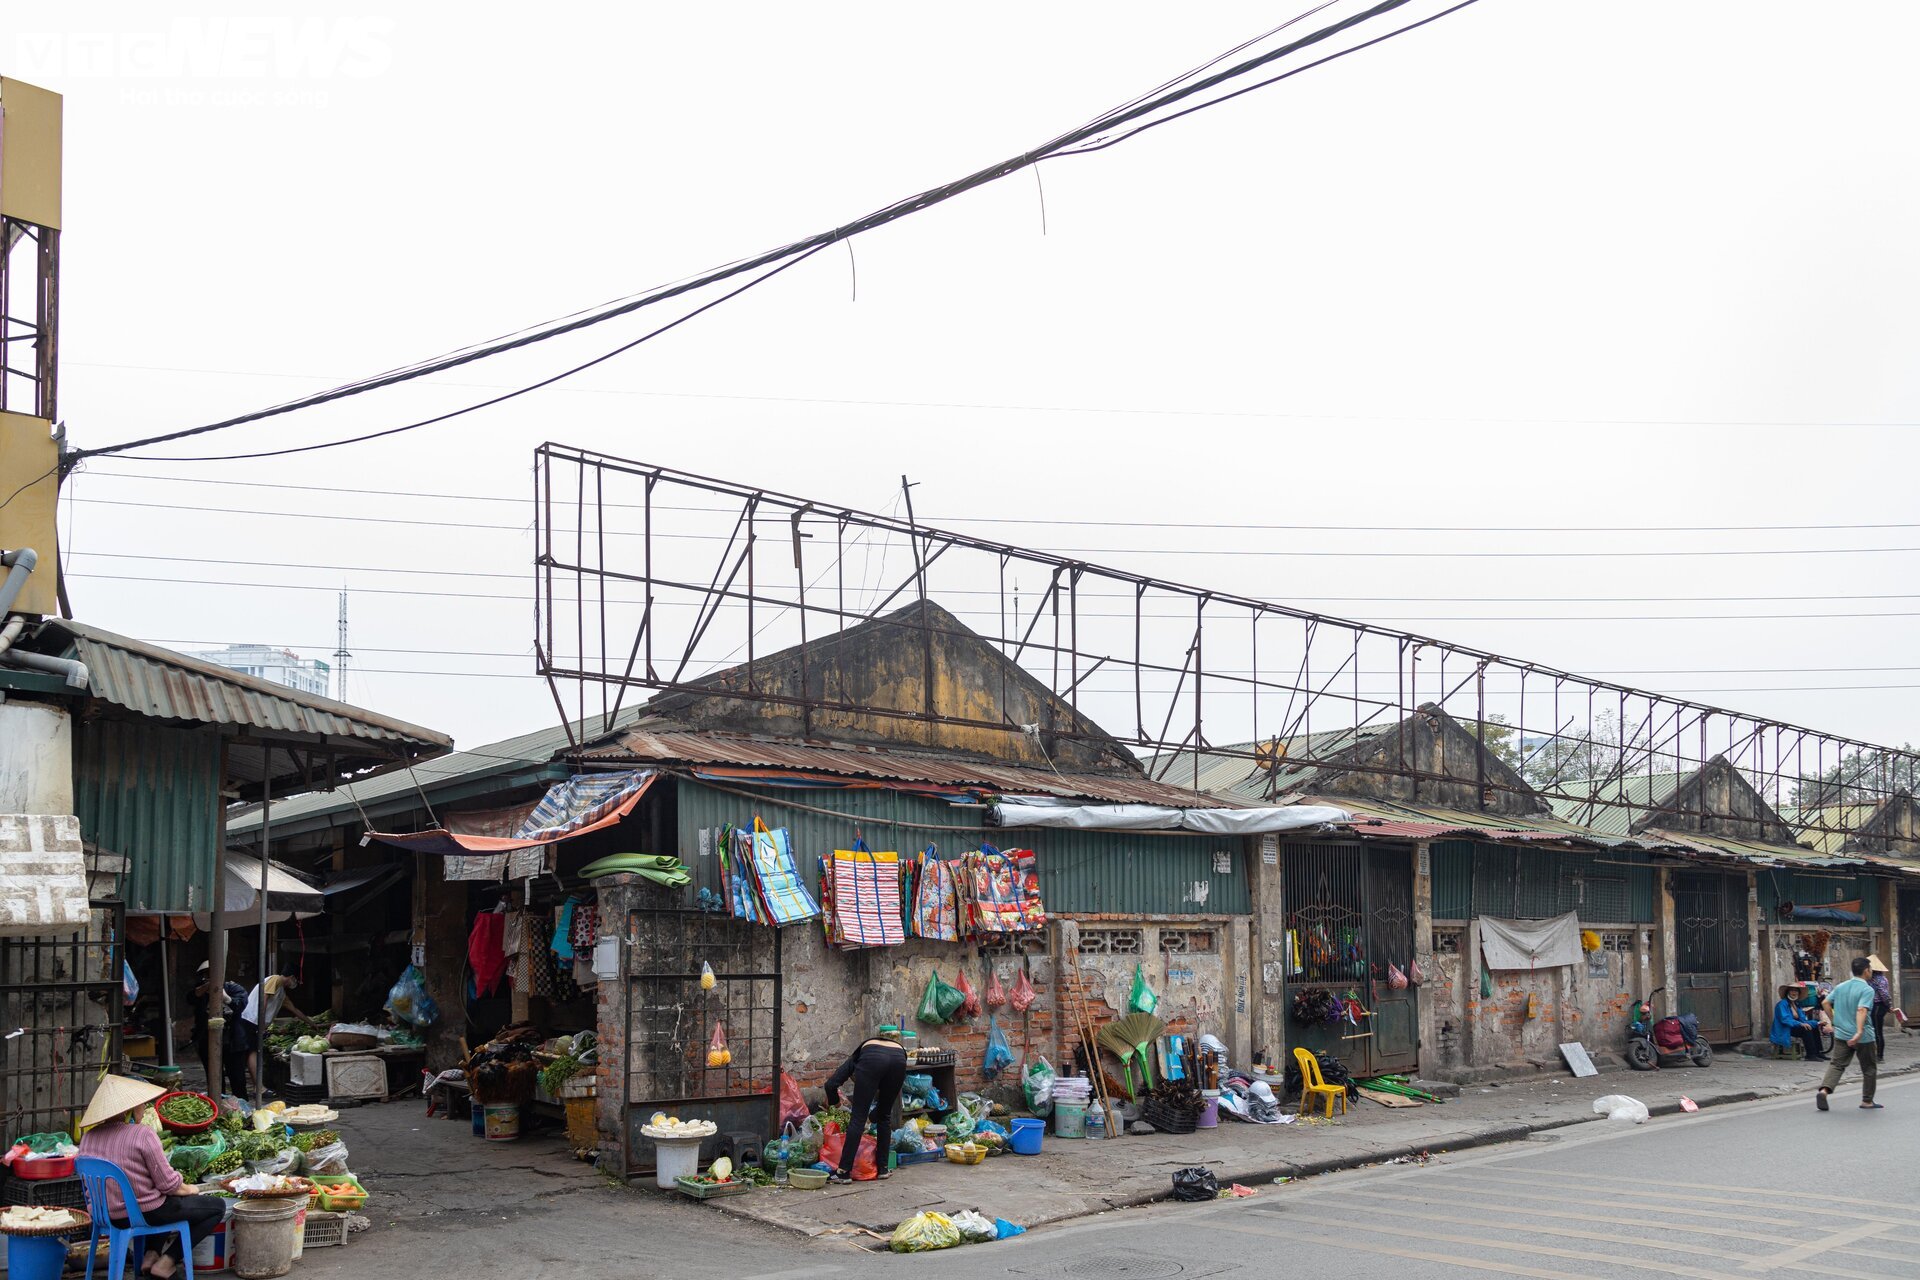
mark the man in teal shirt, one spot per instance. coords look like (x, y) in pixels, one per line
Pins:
(1851, 1004)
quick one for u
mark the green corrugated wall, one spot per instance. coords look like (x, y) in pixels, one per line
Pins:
(1120, 873)
(1818, 889)
(151, 793)
(1511, 882)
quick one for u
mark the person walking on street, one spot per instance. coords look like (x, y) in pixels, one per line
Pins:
(1852, 1007)
(1882, 1001)
(878, 1068)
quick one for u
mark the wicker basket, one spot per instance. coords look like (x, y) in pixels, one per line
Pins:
(83, 1223)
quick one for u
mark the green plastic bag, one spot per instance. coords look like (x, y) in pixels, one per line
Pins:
(1486, 983)
(1143, 999)
(940, 1001)
(924, 1232)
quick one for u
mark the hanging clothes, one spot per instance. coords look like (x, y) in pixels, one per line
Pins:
(486, 952)
(563, 929)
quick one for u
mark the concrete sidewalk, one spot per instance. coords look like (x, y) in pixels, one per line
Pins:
(1071, 1179)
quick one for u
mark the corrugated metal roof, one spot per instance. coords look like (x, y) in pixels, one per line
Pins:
(1612, 805)
(1230, 771)
(647, 744)
(165, 685)
(536, 749)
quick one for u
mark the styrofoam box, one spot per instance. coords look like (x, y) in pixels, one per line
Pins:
(356, 1075)
(309, 1069)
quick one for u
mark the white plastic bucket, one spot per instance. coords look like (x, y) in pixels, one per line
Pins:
(675, 1158)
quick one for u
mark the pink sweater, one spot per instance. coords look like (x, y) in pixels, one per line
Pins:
(136, 1149)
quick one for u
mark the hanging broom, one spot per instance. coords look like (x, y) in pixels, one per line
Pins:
(1132, 1036)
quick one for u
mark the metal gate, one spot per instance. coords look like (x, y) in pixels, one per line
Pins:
(1349, 914)
(1712, 958)
(1909, 920)
(61, 1005)
(670, 1024)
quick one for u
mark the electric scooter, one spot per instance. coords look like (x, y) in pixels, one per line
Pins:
(1668, 1042)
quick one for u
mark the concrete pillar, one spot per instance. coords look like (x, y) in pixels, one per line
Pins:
(1669, 941)
(1267, 972)
(1890, 913)
(1427, 1015)
(1757, 1002)
(1471, 1004)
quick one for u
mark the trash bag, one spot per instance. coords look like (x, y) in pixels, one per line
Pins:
(866, 1157)
(793, 1103)
(409, 1001)
(924, 1232)
(995, 994)
(1004, 1230)
(1038, 1086)
(974, 1227)
(970, 1004)
(939, 1002)
(1195, 1183)
(1618, 1106)
(999, 1053)
(1142, 1000)
(1023, 994)
(330, 1159)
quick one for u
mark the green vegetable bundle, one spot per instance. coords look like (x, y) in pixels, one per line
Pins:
(231, 1162)
(185, 1109)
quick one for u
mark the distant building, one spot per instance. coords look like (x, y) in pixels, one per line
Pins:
(282, 666)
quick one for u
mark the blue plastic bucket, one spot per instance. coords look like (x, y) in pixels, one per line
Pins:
(1026, 1135)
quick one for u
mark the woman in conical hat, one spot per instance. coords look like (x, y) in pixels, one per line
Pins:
(114, 1133)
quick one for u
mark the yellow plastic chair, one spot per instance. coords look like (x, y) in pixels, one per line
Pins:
(1314, 1087)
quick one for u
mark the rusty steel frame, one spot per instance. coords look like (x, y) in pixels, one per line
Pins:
(1655, 733)
(29, 318)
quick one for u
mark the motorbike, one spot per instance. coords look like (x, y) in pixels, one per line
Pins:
(1668, 1042)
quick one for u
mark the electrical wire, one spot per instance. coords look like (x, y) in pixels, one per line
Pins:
(786, 255)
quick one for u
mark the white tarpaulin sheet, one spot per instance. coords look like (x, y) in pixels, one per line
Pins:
(1530, 944)
(1038, 812)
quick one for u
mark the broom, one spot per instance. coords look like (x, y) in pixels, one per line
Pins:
(1130, 1037)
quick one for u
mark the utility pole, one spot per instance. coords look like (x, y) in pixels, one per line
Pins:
(340, 655)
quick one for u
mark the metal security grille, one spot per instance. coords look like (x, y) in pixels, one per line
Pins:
(671, 1021)
(60, 1013)
(1326, 916)
(1710, 921)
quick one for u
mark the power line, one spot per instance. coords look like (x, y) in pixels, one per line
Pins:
(1288, 553)
(790, 254)
(1232, 526)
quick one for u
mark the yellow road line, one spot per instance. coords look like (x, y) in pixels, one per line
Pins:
(1618, 1220)
(1792, 1257)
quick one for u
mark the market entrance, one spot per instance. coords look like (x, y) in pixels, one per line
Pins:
(1713, 964)
(1349, 918)
(1909, 947)
(671, 1019)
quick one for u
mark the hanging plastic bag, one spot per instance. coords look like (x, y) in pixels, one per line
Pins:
(940, 1002)
(1414, 975)
(408, 1000)
(1023, 994)
(995, 995)
(129, 985)
(866, 1157)
(718, 1055)
(999, 1053)
(974, 1227)
(970, 1003)
(793, 1103)
(923, 1233)
(1038, 1086)
(1142, 1000)
(1195, 1184)
(707, 980)
(1486, 983)
(1396, 978)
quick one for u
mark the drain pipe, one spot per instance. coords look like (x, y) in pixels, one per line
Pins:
(19, 563)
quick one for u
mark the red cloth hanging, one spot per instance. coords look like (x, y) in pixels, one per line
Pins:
(486, 952)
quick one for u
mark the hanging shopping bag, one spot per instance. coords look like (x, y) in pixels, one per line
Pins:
(1023, 993)
(1142, 1000)
(940, 1002)
(999, 1052)
(995, 994)
(970, 1000)
(718, 1055)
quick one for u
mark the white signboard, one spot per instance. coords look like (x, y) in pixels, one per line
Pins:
(1576, 1056)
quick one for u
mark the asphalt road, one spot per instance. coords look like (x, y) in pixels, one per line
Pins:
(1732, 1192)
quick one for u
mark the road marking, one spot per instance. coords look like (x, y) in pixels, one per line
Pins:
(1421, 1255)
(1665, 1197)
(1812, 1248)
(1793, 1260)
(1617, 1220)
(1798, 1195)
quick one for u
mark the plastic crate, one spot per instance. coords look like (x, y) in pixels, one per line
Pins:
(903, 1159)
(711, 1190)
(324, 1230)
(46, 1193)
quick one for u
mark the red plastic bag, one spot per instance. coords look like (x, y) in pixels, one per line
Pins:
(793, 1103)
(866, 1160)
(996, 994)
(1023, 993)
(971, 1009)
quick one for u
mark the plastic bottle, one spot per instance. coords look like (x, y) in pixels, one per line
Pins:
(1096, 1120)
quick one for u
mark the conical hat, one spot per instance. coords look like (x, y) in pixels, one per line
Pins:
(116, 1096)
(1876, 964)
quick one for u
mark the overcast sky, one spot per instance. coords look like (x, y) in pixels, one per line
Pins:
(1543, 263)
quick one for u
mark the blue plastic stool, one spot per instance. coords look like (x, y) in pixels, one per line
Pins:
(95, 1175)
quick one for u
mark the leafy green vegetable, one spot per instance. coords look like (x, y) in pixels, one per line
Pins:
(231, 1162)
(185, 1109)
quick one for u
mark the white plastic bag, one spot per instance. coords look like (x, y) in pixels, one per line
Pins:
(1618, 1106)
(331, 1158)
(975, 1227)
(282, 1162)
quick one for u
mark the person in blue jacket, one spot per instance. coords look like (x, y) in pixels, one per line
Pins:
(1789, 1021)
